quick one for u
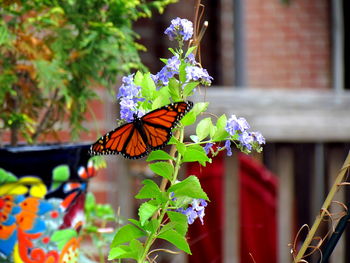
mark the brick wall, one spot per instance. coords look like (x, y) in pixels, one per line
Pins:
(288, 46)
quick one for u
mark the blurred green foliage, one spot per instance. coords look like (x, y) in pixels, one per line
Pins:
(52, 54)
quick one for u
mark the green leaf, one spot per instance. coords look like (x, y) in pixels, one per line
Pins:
(200, 107)
(182, 72)
(148, 87)
(195, 155)
(149, 190)
(163, 169)
(61, 237)
(134, 251)
(203, 128)
(180, 220)
(181, 147)
(138, 78)
(6, 177)
(176, 239)
(152, 226)
(160, 100)
(146, 210)
(220, 133)
(159, 155)
(188, 119)
(190, 187)
(174, 89)
(60, 174)
(188, 89)
(126, 234)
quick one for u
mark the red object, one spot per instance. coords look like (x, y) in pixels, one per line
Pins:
(258, 205)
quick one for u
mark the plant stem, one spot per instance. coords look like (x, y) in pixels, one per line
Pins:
(324, 212)
(150, 240)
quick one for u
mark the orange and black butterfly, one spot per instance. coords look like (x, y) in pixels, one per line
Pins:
(150, 132)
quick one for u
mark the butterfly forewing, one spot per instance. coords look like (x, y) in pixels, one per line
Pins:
(169, 115)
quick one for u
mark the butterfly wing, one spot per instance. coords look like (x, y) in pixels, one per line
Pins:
(153, 130)
(125, 139)
(157, 124)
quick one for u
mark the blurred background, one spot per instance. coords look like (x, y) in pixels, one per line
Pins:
(284, 66)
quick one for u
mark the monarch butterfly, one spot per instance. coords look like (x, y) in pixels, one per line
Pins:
(150, 132)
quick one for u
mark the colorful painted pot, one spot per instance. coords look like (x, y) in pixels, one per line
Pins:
(42, 195)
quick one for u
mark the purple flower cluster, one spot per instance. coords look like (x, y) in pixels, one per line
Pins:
(195, 73)
(129, 96)
(194, 211)
(167, 72)
(246, 138)
(180, 29)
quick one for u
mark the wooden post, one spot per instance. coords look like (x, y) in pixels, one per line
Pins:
(231, 217)
(285, 172)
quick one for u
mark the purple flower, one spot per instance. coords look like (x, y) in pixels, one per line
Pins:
(198, 74)
(168, 71)
(228, 148)
(191, 215)
(257, 137)
(128, 89)
(191, 59)
(207, 147)
(194, 211)
(173, 64)
(235, 124)
(246, 139)
(180, 29)
(129, 96)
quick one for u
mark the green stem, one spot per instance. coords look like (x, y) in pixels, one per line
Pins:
(150, 240)
(326, 204)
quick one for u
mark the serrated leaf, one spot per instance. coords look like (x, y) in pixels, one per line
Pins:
(126, 234)
(146, 210)
(176, 239)
(180, 220)
(149, 190)
(163, 169)
(159, 155)
(203, 128)
(190, 187)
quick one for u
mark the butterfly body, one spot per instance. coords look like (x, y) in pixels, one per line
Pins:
(150, 132)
